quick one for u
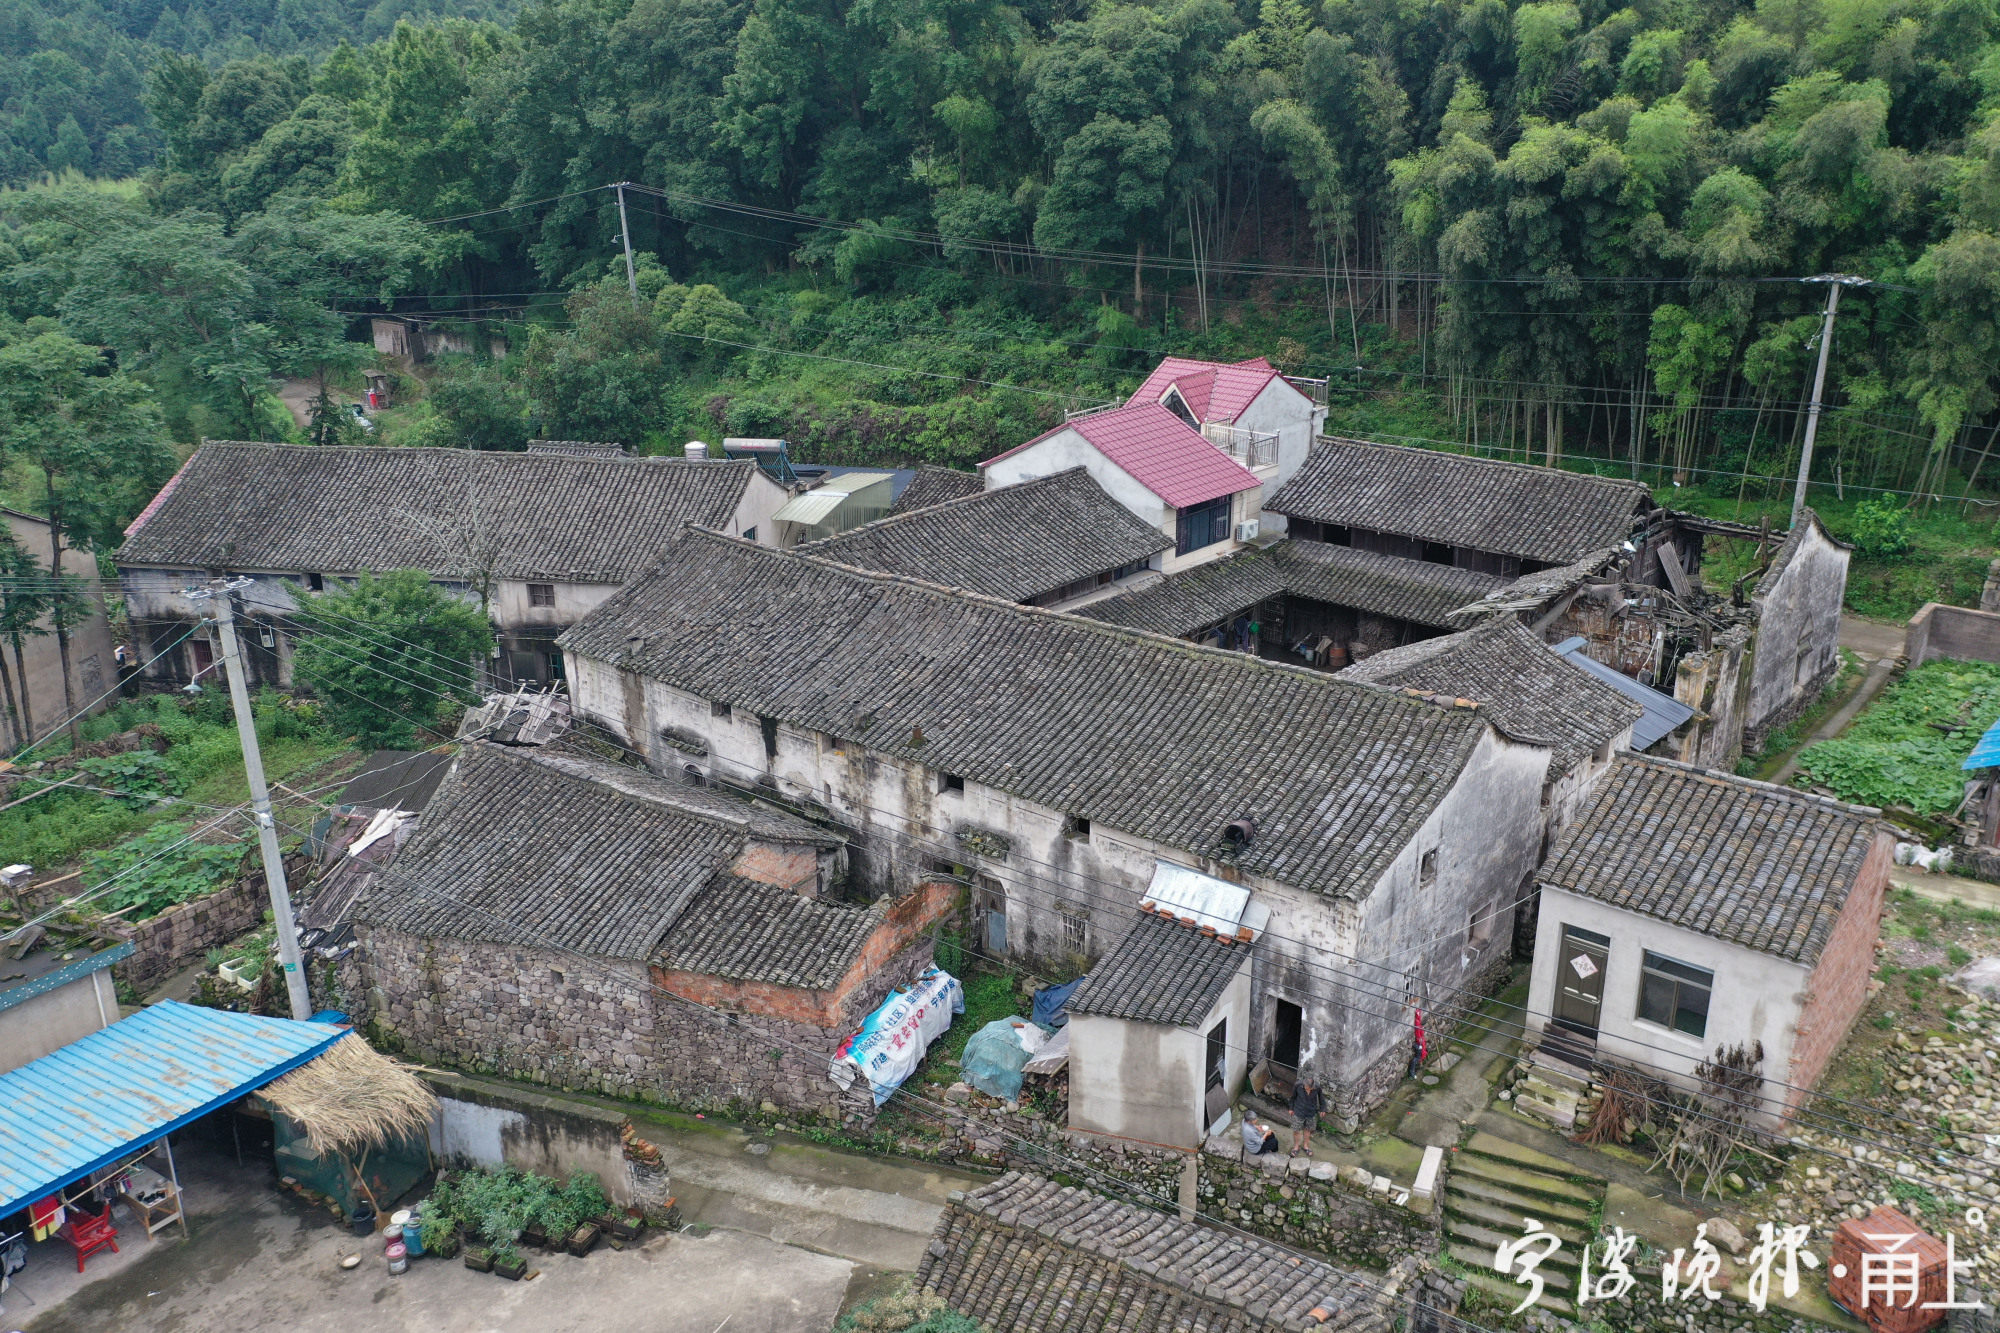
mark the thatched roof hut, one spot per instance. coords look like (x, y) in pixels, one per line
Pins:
(352, 1099)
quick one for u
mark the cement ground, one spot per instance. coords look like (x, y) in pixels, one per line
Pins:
(778, 1241)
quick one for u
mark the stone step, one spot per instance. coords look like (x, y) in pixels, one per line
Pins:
(1534, 1184)
(1501, 1288)
(1565, 1262)
(1480, 1212)
(1559, 1073)
(1465, 1192)
(1495, 1148)
(1554, 1112)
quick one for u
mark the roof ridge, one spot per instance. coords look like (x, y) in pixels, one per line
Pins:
(1537, 469)
(609, 781)
(1789, 794)
(1102, 628)
(495, 455)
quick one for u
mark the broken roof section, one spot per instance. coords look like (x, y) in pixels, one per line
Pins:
(1765, 867)
(1527, 686)
(1023, 1253)
(1419, 591)
(1078, 716)
(1660, 714)
(1158, 450)
(1517, 509)
(1019, 542)
(290, 508)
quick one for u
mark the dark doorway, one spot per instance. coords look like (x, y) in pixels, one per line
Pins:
(204, 655)
(1580, 980)
(1215, 1089)
(990, 906)
(1287, 1023)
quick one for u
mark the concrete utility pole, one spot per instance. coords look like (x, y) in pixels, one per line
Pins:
(260, 795)
(1834, 282)
(625, 235)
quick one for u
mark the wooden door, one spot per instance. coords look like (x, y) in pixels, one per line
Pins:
(1580, 980)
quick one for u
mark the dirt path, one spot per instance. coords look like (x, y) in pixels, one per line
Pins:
(298, 395)
(1870, 639)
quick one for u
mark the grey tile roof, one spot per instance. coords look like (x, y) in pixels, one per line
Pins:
(1017, 542)
(935, 485)
(1193, 598)
(396, 780)
(1533, 592)
(1761, 866)
(1384, 585)
(576, 448)
(1159, 738)
(286, 508)
(1535, 513)
(1025, 1255)
(748, 931)
(715, 803)
(1162, 971)
(1530, 688)
(518, 850)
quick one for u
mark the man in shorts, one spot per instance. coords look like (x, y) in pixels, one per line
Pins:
(1307, 1103)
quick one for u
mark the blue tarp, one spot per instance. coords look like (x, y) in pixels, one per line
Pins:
(1049, 1002)
(1986, 754)
(102, 1098)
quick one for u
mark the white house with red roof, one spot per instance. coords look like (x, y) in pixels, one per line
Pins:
(1193, 452)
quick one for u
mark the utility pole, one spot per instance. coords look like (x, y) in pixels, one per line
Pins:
(625, 235)
(1834, 282)
(260, 795)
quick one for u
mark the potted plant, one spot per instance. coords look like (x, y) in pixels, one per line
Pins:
(626, 1226)
(438, 1233)
(583, 1238)
(508, 1263)
(535, 1234)
(479, 1259)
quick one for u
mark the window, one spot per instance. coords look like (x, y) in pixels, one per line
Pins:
(718, 709)
(1479, 928)
(1076, 826)
(1427, 869)
(1076, 932)
(749, 534)
(769, 726)
(1674, 995)
(541, 594)
(950, 782)
(316, 582)
(1203, 525)
(1176, 404)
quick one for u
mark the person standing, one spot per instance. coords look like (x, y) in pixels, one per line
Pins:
(1307, 1103)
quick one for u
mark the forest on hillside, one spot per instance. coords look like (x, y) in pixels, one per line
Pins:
(919, 229)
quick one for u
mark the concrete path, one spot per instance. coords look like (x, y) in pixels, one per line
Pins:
(1835, 722)
(868, 1209)
(1871, 639)
(1947, 888)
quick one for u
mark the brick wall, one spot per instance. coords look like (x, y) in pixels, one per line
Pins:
(1837, 990)
(1960, 632)
(789, 866)
(183, 934)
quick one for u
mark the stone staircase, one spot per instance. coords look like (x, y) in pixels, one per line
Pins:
(1492, 1187)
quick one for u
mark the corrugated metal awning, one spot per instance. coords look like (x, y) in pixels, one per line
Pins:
(1662, 712)
(104, 1097)
(1986, 754)
(811, 508)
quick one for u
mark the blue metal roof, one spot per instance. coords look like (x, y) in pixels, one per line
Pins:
(1662, 712)
(1986, 754)
(102, 1098)
(62, 974)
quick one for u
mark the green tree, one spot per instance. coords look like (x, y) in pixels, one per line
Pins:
(391, 655)
(93, 436)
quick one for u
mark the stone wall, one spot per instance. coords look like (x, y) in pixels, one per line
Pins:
(181, 935)
(1959, 632)
(489, 1124)
(595, 1026)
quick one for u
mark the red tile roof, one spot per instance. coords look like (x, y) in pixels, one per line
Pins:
(1215, 390)
(1159, 450)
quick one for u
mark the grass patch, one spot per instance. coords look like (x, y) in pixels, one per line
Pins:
(1779, 745)
(1905, 748)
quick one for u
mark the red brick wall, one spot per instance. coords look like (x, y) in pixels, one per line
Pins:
(908, 919)
(1837, 990)
(787, 865)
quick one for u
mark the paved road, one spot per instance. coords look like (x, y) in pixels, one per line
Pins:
(1870, 639)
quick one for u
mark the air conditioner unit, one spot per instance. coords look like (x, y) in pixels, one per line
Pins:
(1247, 530)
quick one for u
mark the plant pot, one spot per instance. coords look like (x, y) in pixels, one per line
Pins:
(621, 1228)
(583, 1238)
(479, 1260)
(511, 1269)
(535, 1234)
(444, 1249)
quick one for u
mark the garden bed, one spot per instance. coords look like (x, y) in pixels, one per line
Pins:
(1904, 751)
